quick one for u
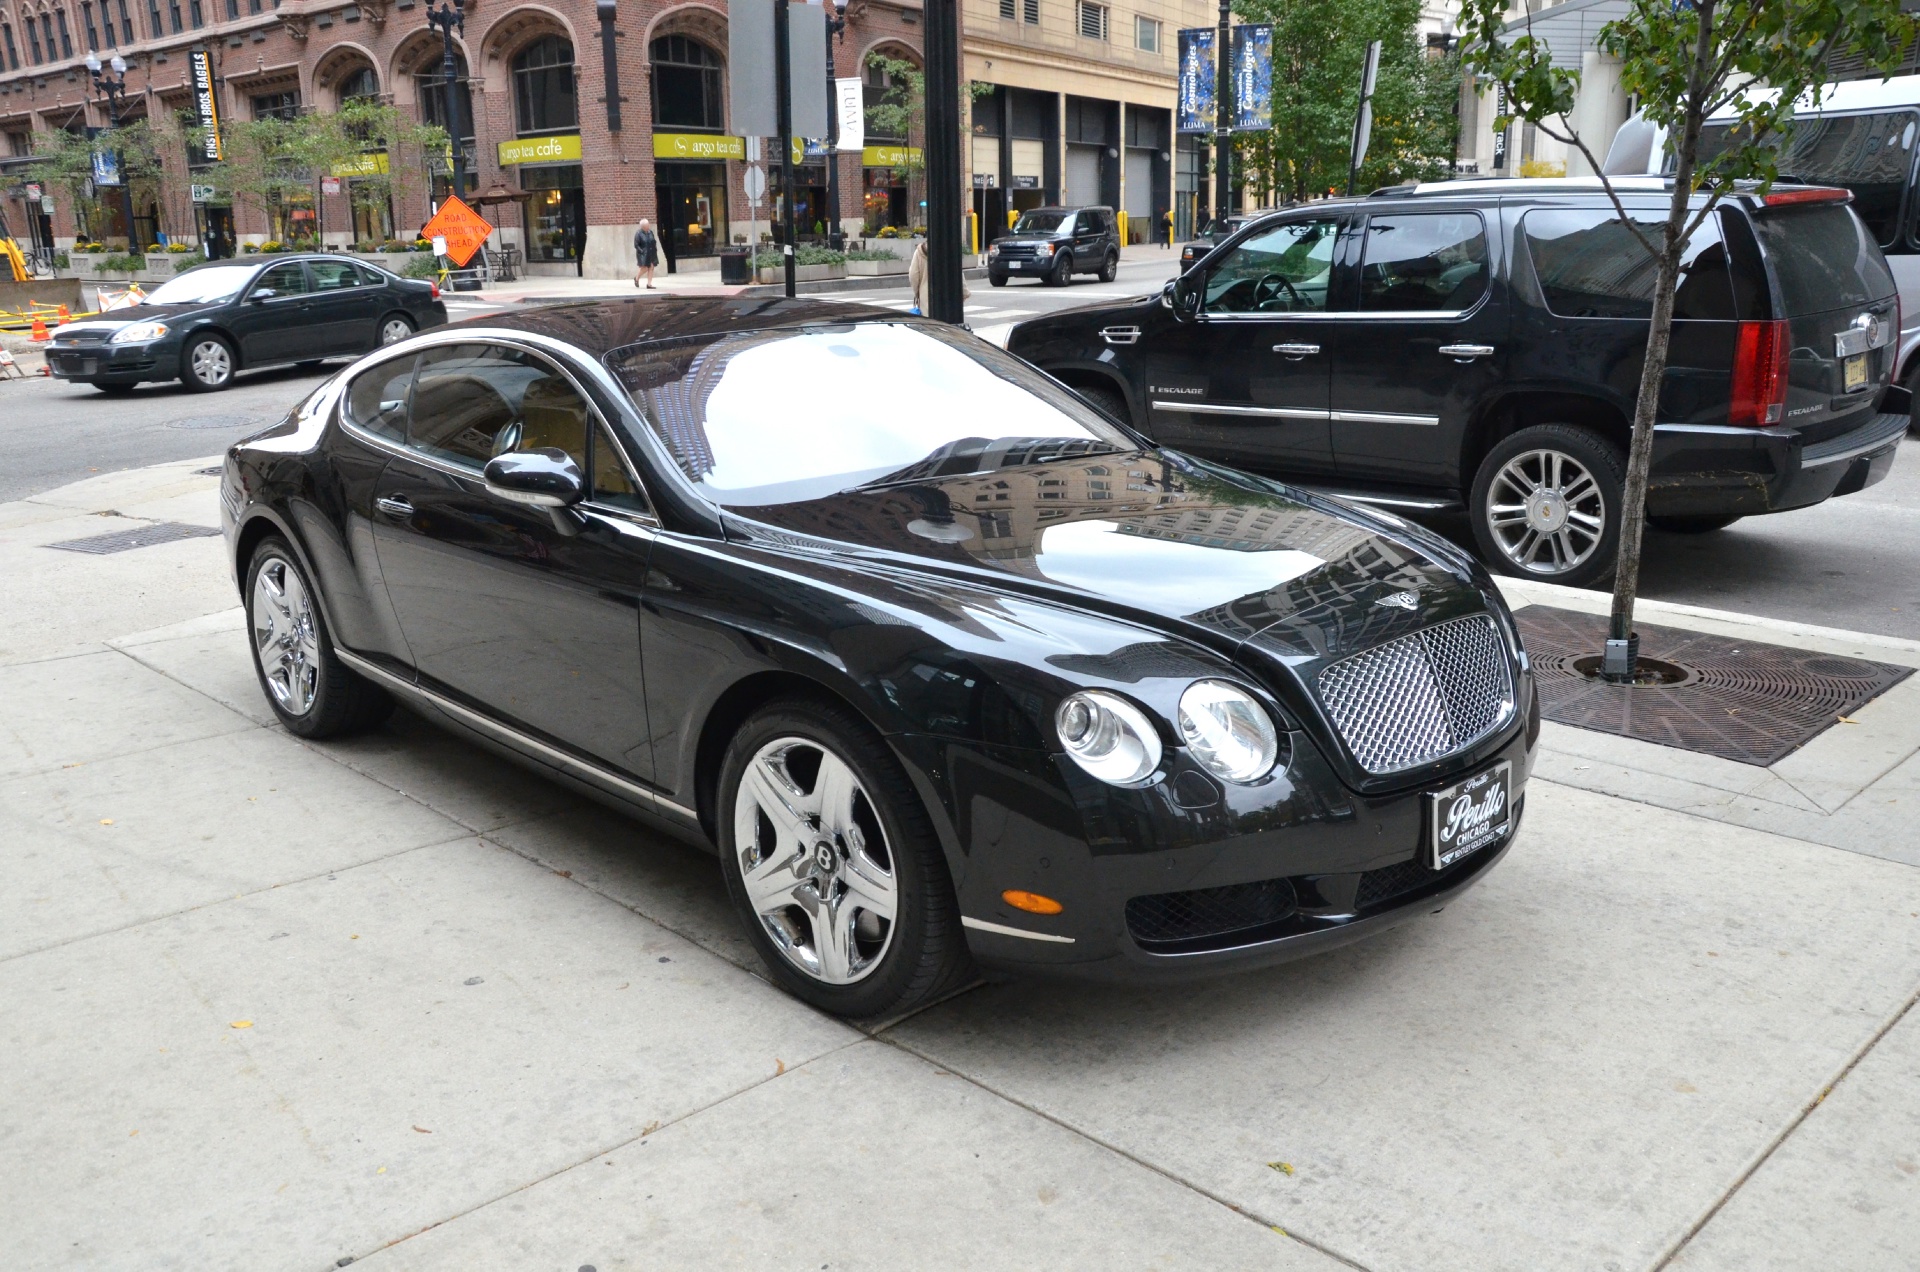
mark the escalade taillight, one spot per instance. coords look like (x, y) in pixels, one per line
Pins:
(1760, 375)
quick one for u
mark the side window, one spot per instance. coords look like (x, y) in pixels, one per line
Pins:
(288, 278)
(377, 399)
(472, 402)
(1426, 261)
(1591, 266)
(334, 275)
(370, 277)
(1287, 269)
(611, 483)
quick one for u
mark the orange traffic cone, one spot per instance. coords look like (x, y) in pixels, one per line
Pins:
(63, 317)
(39, 335)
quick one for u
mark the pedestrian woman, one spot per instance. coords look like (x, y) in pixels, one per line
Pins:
(917, 278)
(646, 252)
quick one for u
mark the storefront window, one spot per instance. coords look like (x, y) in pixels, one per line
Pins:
(557, 213)
(886, 200)
(372, 212)
(543, 98)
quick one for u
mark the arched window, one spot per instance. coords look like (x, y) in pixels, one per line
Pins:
(543, 99)
(431, 86)
(686, 85)
(13, 50)
(360, 85)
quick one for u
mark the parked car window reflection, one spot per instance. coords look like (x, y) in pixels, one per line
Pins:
(1044, 223)
(377, 399)
(1286, 269)
(1590, 266)
(1424, 261)
(202, 286)
(472, 402)
(1870, 155)
(729, 409)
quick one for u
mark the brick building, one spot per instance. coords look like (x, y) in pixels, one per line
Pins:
(1096, 106)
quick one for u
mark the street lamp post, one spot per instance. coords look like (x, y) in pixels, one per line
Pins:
(1223, 113)
(836, 29)
(113, 87)
(447, 19)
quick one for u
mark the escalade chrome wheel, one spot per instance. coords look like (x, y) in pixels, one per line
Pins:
(1546, 504)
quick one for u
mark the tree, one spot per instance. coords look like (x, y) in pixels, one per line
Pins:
(1319, 47)
(1683, 60)
(66, 163)
(902, 109)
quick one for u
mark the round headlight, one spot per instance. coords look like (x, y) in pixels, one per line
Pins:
(1109, 737)
(1228, 731)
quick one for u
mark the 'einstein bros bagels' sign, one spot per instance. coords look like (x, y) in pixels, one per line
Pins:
(698, 146)
(561, 149)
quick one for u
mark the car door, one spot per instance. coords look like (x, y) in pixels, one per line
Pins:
(273, 320)
(1247, 381)
(500, 605)
(1425, 344)
(371, 425)
(344, 306)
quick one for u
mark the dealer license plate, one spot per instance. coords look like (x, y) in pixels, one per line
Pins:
(1853, 373)
(1015, 265)
(1469, 815)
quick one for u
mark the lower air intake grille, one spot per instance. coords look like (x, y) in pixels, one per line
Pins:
(1421, 697)
(1171, 917)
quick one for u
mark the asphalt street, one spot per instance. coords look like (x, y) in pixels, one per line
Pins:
(1852, 562)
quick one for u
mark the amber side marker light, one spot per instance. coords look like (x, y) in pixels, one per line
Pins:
(1031, 902)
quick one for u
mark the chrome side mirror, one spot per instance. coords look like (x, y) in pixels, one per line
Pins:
(545, 477)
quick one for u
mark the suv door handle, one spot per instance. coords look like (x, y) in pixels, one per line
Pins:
(395, 506)
(1297, 350)
(1465, 352)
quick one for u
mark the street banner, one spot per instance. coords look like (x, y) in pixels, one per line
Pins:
(1199, 81)
(200, 68)
(106, 168)
(852, 107)
(1500, 137)
(463, 229)
(1252, 78)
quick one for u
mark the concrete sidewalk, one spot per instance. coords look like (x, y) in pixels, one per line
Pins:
(279, 1005)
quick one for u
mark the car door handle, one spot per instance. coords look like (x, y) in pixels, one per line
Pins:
(1465, 352)
(395, 506)
(1297, 350)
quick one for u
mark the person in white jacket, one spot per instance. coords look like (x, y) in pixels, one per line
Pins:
(917, 278)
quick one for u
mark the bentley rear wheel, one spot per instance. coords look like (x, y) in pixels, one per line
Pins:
(833, 866)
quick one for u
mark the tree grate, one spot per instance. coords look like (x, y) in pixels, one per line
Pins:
(1740, 700)
(138, 537)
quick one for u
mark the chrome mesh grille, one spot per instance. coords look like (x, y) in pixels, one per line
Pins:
(1420, 697)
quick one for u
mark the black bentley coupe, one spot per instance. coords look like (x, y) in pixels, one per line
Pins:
(946, 666)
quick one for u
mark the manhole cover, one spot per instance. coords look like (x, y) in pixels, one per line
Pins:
(217, 421)
(1736, 699)
(215, 471)
(138, 537)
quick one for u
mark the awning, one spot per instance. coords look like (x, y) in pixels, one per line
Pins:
(1569, 30)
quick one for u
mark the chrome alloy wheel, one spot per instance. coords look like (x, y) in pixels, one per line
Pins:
(394, 330)
(1546, 511)
(815, 861)
(212, 364)
(285, 637)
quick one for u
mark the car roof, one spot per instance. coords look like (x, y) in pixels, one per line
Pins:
(598, 327)
(1848, 95)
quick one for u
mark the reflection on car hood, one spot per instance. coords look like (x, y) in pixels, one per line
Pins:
(1159, 538)
(115, 319)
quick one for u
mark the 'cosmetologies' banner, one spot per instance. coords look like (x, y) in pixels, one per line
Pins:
(1252, 78)
(1199, 81)
(200, 63)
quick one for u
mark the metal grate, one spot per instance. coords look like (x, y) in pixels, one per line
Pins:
(233, 422)
(1421, 697)
(138, 537)
(1740, 700)
(1170, 917)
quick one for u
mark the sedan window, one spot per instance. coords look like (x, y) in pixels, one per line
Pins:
(770, 417)
(1426, 261)
(334, 275)
(1287, 269)
(289, 278)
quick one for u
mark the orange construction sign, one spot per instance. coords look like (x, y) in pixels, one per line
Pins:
(463, 228)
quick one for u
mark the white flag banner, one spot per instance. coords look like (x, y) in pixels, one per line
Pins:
(852, 107)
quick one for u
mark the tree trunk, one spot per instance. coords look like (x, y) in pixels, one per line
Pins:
(1646, 407)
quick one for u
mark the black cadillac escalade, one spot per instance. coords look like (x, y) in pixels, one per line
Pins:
(1478, 344)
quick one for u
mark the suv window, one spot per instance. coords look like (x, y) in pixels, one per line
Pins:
(1286, 269)
(377, 399)
(1424, 261)
(1044, 223)
(472, 402)
(1823, 256)
(1591, 266)
(288, 278)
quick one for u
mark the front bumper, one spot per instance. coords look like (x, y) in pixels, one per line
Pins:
(106, 363)
(1350, 865)
(1714, 470)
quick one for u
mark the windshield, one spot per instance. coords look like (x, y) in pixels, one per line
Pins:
(772, 417)
(1042, 222)
(202, 286)
(1871, 155)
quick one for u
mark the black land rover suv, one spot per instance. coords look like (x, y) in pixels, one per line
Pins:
(1478, 344)
(1054, 244)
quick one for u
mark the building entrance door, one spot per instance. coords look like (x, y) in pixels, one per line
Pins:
(692, 198)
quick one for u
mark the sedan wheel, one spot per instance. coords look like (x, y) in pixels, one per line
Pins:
(833, 866)
(311, 691)
(1547, 505)
(209, 364)
(395, 329)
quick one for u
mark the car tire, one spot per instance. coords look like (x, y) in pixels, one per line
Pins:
(1110, 268)
(783, 868)
(1546, 505)
(393, 329)
(997, 280)
(311, 691)
(206, 363)
(1106, 398)
(1691, 525)
(1062, 273)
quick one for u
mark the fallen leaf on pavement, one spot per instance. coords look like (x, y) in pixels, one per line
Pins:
(779, 1066)
(106, 821)
(1846, 719)
(423, 1130)
(240, 1024)
(1285, 1168)
(650, 1128)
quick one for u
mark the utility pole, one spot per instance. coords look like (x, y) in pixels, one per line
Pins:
(783, 91)
(836, 29)
(944, 291)
(447, 19)
(1223, 114)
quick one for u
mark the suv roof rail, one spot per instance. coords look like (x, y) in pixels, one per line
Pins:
(1406, 191)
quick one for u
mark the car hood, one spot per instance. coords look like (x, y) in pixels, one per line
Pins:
(1159, 539)
(115, 319)
(1027, 240)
